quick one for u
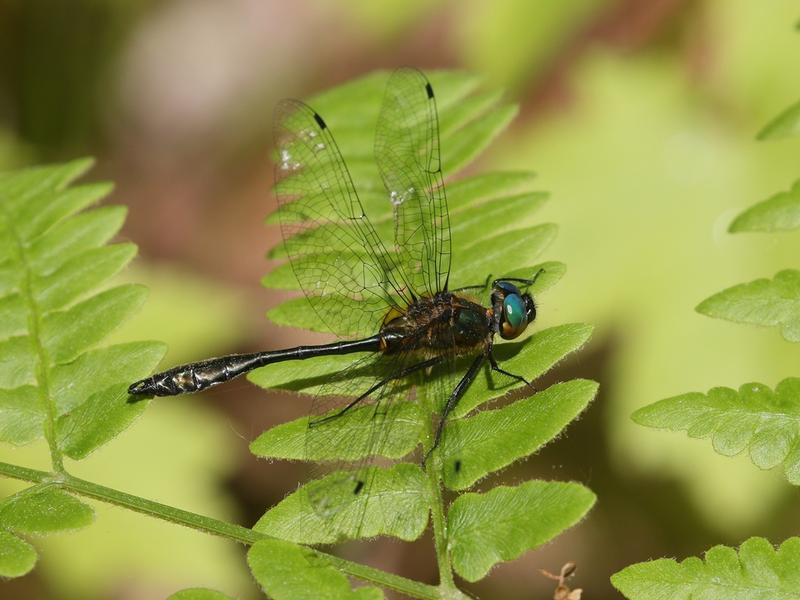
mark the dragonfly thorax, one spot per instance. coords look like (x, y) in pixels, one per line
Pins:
(445, 323)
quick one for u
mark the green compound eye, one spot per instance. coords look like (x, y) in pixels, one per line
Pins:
(515, 319)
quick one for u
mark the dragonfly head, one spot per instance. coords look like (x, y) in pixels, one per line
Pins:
(513, 309)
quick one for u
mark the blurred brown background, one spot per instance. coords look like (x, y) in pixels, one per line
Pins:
(639, 117)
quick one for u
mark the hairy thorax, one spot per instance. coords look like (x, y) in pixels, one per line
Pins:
(444, 323)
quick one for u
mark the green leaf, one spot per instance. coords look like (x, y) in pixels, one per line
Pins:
(21, 415)
(755, 418)
(531, 358)
(474, 191)
(43, 509)
(19, 186)
(476, 446)
(786, 124)
(17, 557)
(758, 572)
(198, 594)
(12, 315)
(763, 302)
(464, 147)
(44, 210)
(465, 111)
(66, 334)
(394, 503)
(85, 231)
(73, 383)
(97, 420)
(500, 254)
(51, 315)
(507, 521)
(85, 271)
(286, 571)
(288, 440)
(469, 226)
(18, 359)
(24, 192)
(780, 212)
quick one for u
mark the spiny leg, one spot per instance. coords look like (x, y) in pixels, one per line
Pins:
(452, 401)
(399, 375)
(527, 282)
(498, 369)
(482, 286)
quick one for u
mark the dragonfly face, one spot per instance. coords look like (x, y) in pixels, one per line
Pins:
(513, 310)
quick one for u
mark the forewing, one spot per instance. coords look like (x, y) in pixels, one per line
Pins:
(314, 188)
(409, 161)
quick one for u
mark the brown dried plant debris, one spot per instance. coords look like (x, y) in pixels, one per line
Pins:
(563, 591)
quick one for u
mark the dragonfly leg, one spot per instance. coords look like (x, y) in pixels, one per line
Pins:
(498, 369)
(399, 375)
(480, 286)
(452, 401)
(527, 282)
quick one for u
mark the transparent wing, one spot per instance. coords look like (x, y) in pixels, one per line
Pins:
(314, 188)
(408, 157)
(363, 428)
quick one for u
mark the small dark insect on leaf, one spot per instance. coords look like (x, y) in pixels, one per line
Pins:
(359, 487)
(457, 466)
(563, 591)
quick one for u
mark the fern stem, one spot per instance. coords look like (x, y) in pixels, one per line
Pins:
(34, 333)
(433, 469)
(440, 528)
(210, 525)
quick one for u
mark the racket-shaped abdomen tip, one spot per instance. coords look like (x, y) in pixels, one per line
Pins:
(169, 383)
(195, 377)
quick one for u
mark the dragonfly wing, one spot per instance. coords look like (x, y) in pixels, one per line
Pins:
(317, 203)
(409, 160)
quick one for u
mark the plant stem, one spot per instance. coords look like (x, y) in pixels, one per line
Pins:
(231, 531)
(439, 527)
(433, 469)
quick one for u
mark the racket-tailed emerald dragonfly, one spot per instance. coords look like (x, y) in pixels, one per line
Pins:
(353, 280)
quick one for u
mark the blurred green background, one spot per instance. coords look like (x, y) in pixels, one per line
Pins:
(639, 117)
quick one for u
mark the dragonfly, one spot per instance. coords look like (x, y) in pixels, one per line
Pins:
(354, 281)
